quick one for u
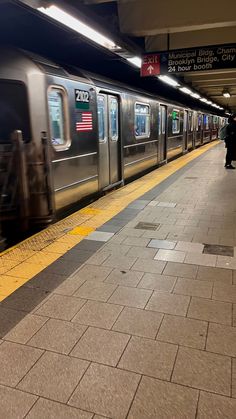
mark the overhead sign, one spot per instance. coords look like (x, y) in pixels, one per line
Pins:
(186, 60)
(150, 65)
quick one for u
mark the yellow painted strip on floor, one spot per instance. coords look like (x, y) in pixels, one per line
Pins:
(83, 231)
(23, 261)
(90, 211)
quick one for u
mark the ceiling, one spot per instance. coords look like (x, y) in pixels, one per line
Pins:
(155, 25)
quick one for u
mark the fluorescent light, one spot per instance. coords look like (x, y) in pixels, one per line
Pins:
(169, 80)
(78, 26)
(204, 100)
(209, 102)
(195, 95)
(186, 90)
(135, 61)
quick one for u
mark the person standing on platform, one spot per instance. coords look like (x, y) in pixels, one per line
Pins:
(230, 142)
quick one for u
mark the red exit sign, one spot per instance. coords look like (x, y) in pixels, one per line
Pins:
(150, 65)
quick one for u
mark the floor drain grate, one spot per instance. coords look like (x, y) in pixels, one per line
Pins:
(216, 249)
(147, 226)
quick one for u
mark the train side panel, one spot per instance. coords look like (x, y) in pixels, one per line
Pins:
(73, 136)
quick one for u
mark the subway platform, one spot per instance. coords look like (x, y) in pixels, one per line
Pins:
(132, 316)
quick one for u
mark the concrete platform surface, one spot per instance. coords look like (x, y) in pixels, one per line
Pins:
(138, 320)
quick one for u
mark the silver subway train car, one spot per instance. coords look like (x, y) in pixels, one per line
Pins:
(66, 135)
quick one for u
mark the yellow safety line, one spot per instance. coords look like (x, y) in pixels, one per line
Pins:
(23, 261)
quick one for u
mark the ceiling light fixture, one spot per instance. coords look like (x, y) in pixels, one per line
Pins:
(196, 95)
(186, 90)
(169, 80)
(78, 26)
(226, 93)
(135, 61)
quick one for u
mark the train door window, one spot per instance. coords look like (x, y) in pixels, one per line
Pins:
(199, 122)
(206, 122)
(215, 121)
(113, 118)
(58, 118)
(190, 121)
(142, 120)
(175, 121)
(163, 120)
(102, 121)
(185, 121)
(159, 122)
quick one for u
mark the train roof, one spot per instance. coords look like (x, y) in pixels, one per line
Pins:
(69, 71)
(47, 66)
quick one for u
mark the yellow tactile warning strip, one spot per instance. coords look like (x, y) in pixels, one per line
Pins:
(22, 262)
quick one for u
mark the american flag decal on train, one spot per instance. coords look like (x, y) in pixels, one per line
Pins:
(84, 121)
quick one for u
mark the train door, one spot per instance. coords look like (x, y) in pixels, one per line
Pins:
(162, 132)
(109, 140)
(185, 130)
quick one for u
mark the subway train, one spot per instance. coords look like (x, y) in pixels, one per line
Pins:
(66, 135)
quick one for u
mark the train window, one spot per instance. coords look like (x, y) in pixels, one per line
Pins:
(163, 120)
(215, 122)
(58, 117)
(175, 121)
(142, 120)
(199, 122)
(14, 112)
(206, 122)
(102, 126)
(113, 118)
(190, 121)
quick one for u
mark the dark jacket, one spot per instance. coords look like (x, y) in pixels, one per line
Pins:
(230, 140)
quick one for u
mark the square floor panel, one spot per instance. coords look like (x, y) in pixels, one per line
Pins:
(57, 336)
(106, 391)
(147, 226)
(217, 407)
(216, 249)
(16, 360)
(54, 376)
(183, 331)
(14, 403)
(99, 345)
(161, 400)
(61, 307)
(149, 357)
(98, 314)
(203, 370)
(138, 322)
(100, 236)
(48, 409)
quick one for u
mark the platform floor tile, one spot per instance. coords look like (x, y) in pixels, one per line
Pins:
(168, 400)
(97, 388)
